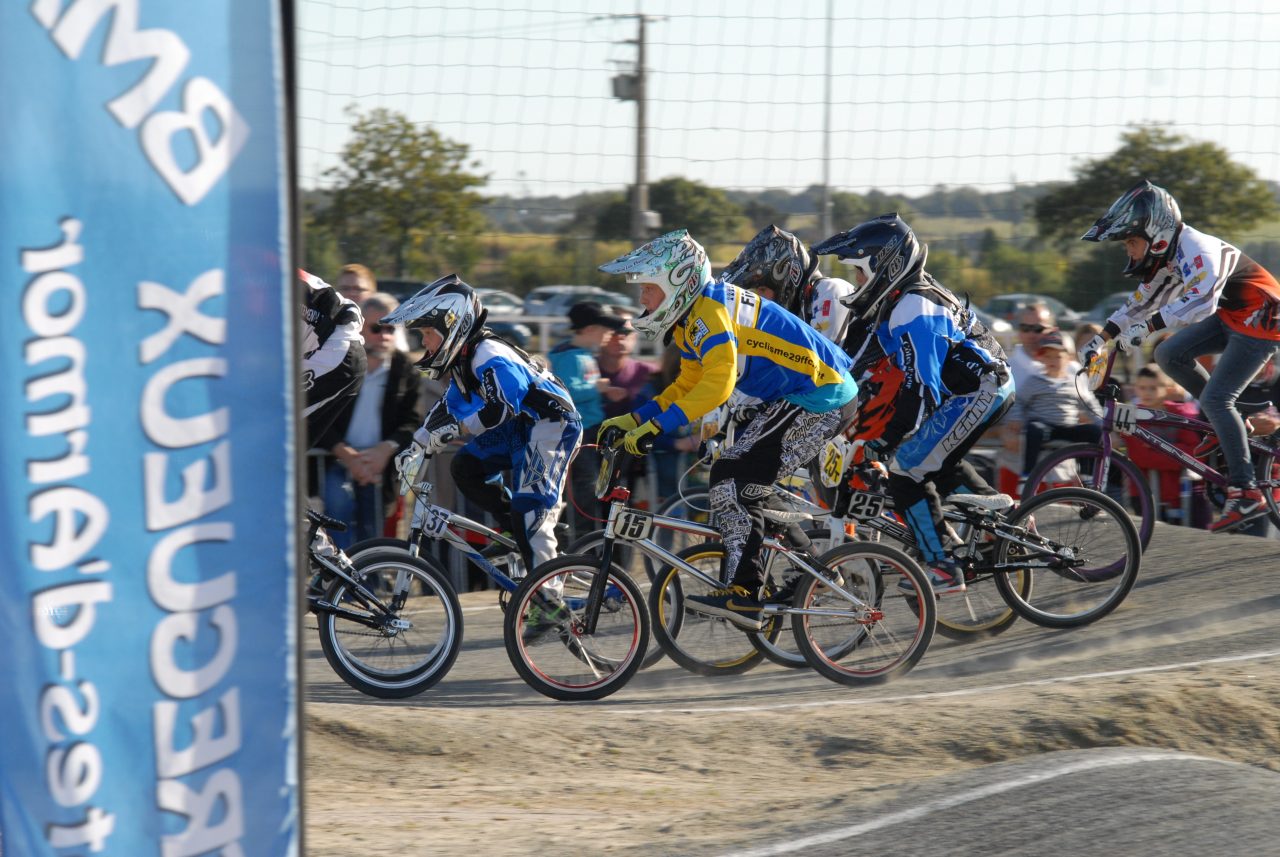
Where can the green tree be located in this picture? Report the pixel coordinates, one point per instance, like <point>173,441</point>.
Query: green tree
<point>1015,269</point>
<point>709,215</point>
<point>403,198</point>
<point>850,209</point>
<point>1214,193</point>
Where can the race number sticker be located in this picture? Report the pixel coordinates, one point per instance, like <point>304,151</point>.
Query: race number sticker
<point>437,521</point>
<point>1126,417</point>
<point>865,506</point>
<point>632,526</point>
<point>835,456</point>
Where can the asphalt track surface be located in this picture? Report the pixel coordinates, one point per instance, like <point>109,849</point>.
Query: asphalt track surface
<point>1200,600</point>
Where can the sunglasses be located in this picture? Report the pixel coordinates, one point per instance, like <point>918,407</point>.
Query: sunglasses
<point>382,328</point>
<point>1032,328</point>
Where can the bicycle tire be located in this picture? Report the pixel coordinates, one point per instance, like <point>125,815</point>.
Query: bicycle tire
<point>1267,466</point>
<point>781,648</point>
<point>400,661</point>
<point>975,614</point>
<point>877,640</point>
<point>625,556</point>
<point>1130,484</point>
<point>558,658</point>
<point>1093,530</point>
<point>702,644</point>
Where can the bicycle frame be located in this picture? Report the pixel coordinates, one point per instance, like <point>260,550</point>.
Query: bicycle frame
<point>437,523</point>
<point>634,526</point>
<point>1130,419</point>
<point>334,559</point>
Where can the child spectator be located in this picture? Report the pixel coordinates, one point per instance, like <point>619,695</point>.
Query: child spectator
<point>1048,405</point>
<point>1153,390</point>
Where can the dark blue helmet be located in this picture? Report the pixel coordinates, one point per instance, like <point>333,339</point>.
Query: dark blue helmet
<point>884,250</point>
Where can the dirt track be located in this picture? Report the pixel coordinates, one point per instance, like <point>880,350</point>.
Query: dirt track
<point>482,764</point>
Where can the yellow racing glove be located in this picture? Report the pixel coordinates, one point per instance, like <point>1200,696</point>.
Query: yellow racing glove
<point>624,423</point>
<point>639,440</point>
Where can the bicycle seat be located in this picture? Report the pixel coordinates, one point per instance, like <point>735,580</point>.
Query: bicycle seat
<point>786,516</point>
<point>325,521</point>
<point>986,502</point>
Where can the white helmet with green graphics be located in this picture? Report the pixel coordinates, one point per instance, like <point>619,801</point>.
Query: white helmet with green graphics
<point>677,265</point>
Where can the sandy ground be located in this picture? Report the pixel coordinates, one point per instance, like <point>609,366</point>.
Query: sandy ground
<point>386,780</point>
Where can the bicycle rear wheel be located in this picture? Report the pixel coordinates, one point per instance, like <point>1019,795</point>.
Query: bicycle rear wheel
<point>406,645</point>
<point>880,632</point>
<point>1078,465</point>
<point>702,644</point>
<point>545,630</point>
<point>1081,550</point>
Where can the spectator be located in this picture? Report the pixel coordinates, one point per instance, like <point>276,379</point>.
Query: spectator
<point>1034,320</point>
<point>627,376</point>
<point>1152,389</point>
<point>356,283</point>
<point>1048,405</point>
<point>360,485</point>
<point>574,363</point>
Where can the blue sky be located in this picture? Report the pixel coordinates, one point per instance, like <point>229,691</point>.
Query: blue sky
<point>923,93</point>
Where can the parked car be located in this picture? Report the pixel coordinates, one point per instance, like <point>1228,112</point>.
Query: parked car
<point>1102,310</point>
<point>1000,329</point>
<point>1007,306</point>
<point>556,300</point>
<point>499,302</point>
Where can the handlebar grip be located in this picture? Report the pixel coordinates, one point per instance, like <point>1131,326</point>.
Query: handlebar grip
<point>610,437</point>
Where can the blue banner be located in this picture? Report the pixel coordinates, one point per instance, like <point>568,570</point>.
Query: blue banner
<point>148,698</point>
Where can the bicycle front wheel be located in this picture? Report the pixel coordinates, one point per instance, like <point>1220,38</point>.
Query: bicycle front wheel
<point>1079,465</point>
<point>1081,550</point>
<point>630,559</point>
<point>547,637</point>
<point>401,643</point>
<point>873,621</point>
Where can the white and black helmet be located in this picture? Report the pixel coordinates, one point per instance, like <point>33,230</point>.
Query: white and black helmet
<point>450,307</point>
<point>1145,211</point>
<point>677,265</point>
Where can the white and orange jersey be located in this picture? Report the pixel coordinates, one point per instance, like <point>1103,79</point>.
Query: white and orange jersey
<point>1206,275</point>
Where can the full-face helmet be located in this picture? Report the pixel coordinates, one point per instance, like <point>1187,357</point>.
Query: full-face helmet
<point>451,308</point>
<point>677,265</point>
<point>1147,212</point>
<point>774,259</point>
<point>885,250</point>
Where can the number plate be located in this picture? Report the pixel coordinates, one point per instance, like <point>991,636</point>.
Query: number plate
<point>632,526</point>
<point>435,521</point>
<point>865,506</point>
<point>1126,417</point>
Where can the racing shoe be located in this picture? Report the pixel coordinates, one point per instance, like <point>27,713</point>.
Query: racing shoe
<point>543,619</point>
<point>1243,504</point>
<point>735,603</point>
<point>945,577</point>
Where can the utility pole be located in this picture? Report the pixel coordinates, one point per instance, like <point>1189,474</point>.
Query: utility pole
<point>632,87</point>
<point>824,216</point>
